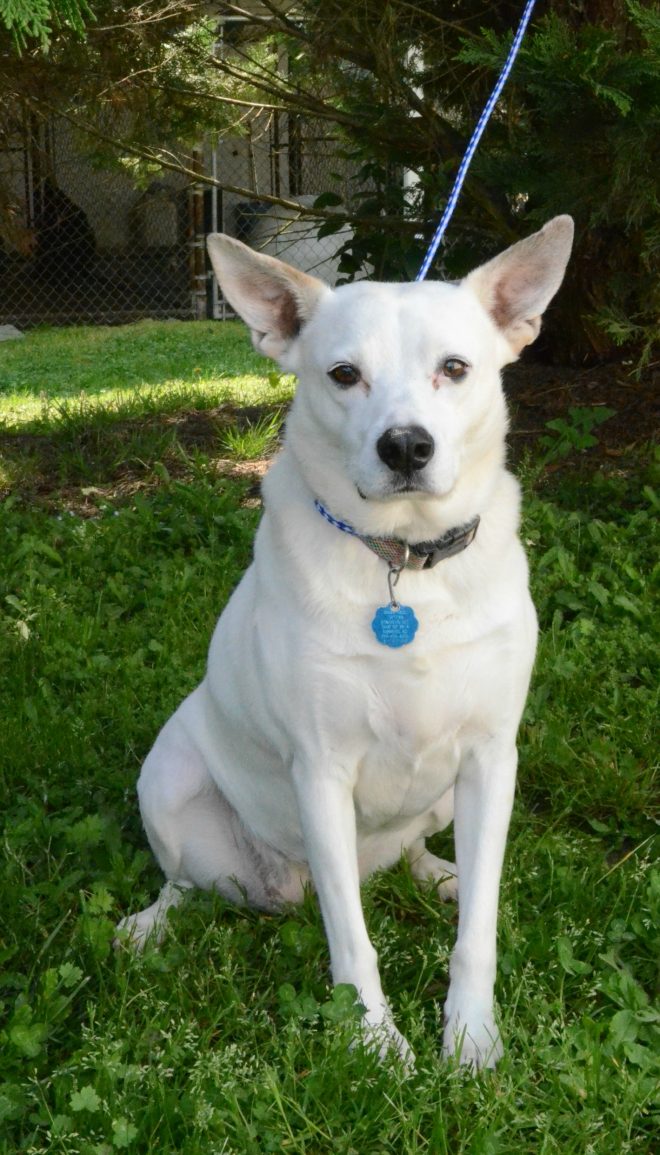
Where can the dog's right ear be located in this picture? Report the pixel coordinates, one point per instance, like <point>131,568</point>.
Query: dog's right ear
<point>274,299</point>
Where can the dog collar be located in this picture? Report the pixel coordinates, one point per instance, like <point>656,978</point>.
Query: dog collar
<point>399,554</point>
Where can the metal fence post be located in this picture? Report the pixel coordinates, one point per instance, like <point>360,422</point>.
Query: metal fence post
<point>197,240</point>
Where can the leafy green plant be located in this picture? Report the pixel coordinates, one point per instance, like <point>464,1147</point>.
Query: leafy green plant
<point>573,433</point>
<point>35,21</point>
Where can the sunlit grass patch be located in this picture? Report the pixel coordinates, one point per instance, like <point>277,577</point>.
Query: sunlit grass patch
<point>97,407</point>
<point>67,374</point>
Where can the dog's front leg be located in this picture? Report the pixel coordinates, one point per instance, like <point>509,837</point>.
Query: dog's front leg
<point>483,800</point>
<point>327,814</point>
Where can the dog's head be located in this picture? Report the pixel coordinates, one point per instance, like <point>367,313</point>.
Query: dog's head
<point>400,406</point>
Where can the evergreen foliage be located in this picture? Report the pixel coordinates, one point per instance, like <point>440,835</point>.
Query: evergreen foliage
<point>34,20</point>
<point>577,130</point>
<point>400,86</point>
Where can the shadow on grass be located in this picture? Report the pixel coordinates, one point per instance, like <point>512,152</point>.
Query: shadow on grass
<point>84,449</point>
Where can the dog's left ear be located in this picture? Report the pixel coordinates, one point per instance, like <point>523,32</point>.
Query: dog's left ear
<point>516,287</point>
<point>274,299</point>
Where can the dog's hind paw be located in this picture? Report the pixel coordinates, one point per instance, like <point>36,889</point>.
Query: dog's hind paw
<point>150,925</point>
<point>425,867</point>
<point>136,930</point>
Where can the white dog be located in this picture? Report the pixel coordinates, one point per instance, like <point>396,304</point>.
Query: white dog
<point>366,680</point>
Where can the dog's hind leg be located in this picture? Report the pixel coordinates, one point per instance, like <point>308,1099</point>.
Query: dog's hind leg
<point>200,841</point>
<point>426,867</point>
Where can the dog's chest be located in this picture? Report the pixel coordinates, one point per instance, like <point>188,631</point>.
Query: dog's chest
<point>417,721</point>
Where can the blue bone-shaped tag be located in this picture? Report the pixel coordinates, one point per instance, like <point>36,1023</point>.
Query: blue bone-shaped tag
<point>395,625</point>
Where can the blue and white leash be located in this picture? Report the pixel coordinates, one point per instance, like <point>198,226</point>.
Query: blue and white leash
<point>474,141</point>
<point>395,625</point>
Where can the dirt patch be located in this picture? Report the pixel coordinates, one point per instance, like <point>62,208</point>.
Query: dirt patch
<point>197,428</point>
<point>87,501</point>
<point>539,393</point>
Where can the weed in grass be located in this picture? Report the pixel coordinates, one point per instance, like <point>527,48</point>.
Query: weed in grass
<point>252,440</point>
<point>229,1039</point>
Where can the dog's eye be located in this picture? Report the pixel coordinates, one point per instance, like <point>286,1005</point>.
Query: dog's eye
<point>454,368</point>
<point>344,375</point>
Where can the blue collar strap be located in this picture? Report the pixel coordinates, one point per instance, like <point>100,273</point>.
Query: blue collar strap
<point>399,554</point>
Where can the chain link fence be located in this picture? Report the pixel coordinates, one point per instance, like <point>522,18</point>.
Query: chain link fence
<point>88,244</point>
<point>294,160</point>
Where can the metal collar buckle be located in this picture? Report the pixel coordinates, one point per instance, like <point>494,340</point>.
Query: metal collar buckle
<point>455,541</point>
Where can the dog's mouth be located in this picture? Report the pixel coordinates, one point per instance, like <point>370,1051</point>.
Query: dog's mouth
<point>398,488</point>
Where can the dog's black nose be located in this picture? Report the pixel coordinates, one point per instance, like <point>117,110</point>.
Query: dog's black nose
<point>405,448</point>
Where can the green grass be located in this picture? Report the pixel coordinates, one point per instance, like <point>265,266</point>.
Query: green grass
<point>155,366</point>
<point>121,542</point>
<point>88,406</point>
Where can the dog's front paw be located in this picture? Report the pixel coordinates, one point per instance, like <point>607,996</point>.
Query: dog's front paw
<point>386,1040</point>
<point>474,1040</point>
